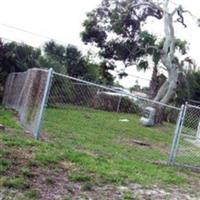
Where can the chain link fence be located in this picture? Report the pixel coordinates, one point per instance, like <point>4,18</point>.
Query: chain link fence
<point>30,92</point>
<point>70,91</point>
<point>187,150</point>
<point>25,93</point>
<point>72,95</point>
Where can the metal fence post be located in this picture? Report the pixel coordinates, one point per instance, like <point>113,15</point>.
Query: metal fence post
<point>44,103</point>
<point>177,134</point>
<point>119,102</point>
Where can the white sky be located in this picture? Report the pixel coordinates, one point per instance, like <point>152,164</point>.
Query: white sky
<point>62,20</point>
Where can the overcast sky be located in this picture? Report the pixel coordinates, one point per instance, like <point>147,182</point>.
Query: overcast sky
<point>62,20</point>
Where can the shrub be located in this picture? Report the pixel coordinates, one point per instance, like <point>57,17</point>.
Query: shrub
<point>114,103</point>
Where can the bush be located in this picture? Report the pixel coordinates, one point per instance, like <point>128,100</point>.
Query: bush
<point>114,103</point>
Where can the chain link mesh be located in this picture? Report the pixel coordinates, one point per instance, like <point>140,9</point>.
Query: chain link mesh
<point>188,152</point>
<point>75,95</point>
<point>66,91</point>
<point>24,93</point>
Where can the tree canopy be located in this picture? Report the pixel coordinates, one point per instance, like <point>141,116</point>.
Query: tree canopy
<point>18,57</point>
<point>115,28</point>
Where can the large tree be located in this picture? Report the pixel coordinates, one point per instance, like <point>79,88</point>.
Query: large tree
<point>116,28</point>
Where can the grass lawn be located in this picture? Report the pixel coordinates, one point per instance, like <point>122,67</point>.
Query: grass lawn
<point>86,147</point>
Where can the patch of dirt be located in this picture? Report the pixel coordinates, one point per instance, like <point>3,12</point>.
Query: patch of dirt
<point>141,143</point>
<point>49,190</point>
<point>19,159</point>
<point>132,142</point>
<point>53,183</point>
<point>62,187</point>
<point>44,137</point>
<point>163,148</point>
<point>93,154</point>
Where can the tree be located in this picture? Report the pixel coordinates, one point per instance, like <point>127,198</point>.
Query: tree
<point>16,57</point>
<point>75,62</point>
<point>136,87</point>
<point>55,51</point>
<point>48,62</point>
<point>98,72</point>
<point>116,28</point>
<point>193,84</point>
<point>68,57</point>
<point>70,60</point>
<point>21,57</point>
<point>190,81</point>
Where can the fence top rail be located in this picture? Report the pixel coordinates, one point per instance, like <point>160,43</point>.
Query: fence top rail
<point>193,106</point>
<point>117,91</point>
<point>33,69</point>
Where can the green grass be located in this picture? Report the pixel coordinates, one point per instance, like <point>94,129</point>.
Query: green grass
<point>93,147</point>
<point>32,194</point>
<point>6,118</point>
<point>100,144</point>
<point>15,183</point>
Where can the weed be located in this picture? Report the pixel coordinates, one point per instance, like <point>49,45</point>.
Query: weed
<point>4,165</point>
<point>87,186</point>
<point>128,195</point>
<point>79,177</point>
<point>27,172</point>
<point>49,180</point>
<point>15,183</point>
<point>33,194</point>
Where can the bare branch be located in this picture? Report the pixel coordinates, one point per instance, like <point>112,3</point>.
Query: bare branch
<point>180,12</point>
<point>150,4</point>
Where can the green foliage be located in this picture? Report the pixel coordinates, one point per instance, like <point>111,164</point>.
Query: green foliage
<point>26,172</point>
<point>143,64</point>
<point>182,46</point>
<point>80,177</point>
<point>136,87</point>
<point>93,72</point>
<point>119,19</point>
<point>15,183</point>
<point>69,60</point>
<point>21,56</point>
<point>88,186</point>
<point>190,81</point>
<point>33,194</point>
<point>6,118</point>
<point>18,57</point>
<point>193,80</point>
<point>105,76</point>
<point>128,195</point>
<point>55,51</point>
<point>4,165</point>
<point>49,62</point>
<point>75,62</point>
<point>111,103</point>
<point>49,180</point>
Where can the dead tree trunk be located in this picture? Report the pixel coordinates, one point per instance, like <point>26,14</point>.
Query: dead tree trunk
<point>168,89</point>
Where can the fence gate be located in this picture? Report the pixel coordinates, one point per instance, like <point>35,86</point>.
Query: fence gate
<point>185,150</point>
